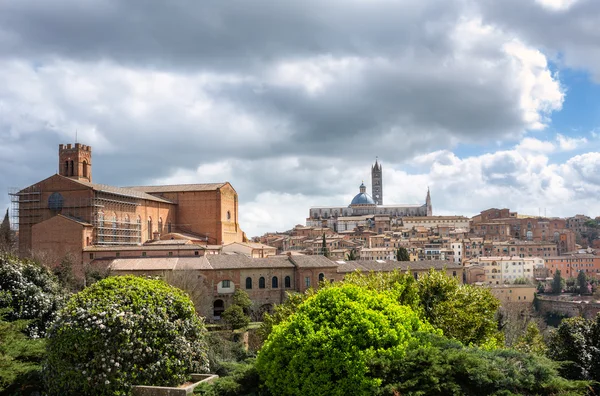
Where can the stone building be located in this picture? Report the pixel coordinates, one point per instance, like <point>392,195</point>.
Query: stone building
<point>67,213</point>
<point>364,208</point>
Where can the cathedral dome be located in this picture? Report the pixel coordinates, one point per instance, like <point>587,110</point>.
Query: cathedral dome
<point>362,199</point>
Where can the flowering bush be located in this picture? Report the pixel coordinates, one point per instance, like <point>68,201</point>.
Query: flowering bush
<point>124,331</point>
<point>29,291</point>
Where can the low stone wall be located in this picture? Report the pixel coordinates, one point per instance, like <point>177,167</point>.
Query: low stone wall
<point>586,309</point>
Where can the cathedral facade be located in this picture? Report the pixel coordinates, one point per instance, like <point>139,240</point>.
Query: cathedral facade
<point>364,207</point>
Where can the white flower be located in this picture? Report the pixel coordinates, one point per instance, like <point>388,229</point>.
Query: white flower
<point>106,382</point>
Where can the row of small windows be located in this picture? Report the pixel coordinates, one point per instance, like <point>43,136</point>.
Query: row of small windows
<point>274,282</point>
<point>287,281</point>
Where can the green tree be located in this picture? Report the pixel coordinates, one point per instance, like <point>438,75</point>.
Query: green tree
<point>242,300</point>
<point>352,255</point>
<point>281,312</point>
<point>582,282</point>
<point>64,274</point>
<point>326,346</point>
<point>463,312</point>
<point>440,367</point>
<point>120,331</point>
<point>7,236</point>
<point>402,254</point>
<point>576,343</point>
<point>558,283</point>
<point>532,341</point>
<point>235,317</point>
<point>324,247</point>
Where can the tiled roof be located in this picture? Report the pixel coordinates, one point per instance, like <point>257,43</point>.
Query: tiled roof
<point>179,187</point>
<point>235,261</point>
<point>121,191</point>
<point>312,261</point>
<point>390,265</point>
<point>159,264</point>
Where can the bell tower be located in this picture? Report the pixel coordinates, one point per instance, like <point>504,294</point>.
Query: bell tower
<point>75,161</point>
<point>377,183</point>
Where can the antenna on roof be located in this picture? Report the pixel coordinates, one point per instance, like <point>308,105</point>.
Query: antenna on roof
<point>75,135</point>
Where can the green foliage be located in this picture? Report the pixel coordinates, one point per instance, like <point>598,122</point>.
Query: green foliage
<point>558,283</point>
<point>352,255</point>
<point>64,274</point>
<point>326,346</point>
<point>235,317</point>
<point>324,247</point>
<point>402,254</point>
<point>237,379</point>
<point>29,292</point>
<point>582,282</point>
<point>532,341</point>
<point>7,236</point>
<point>241,299</point>
<point>20,359</point>
<point>124,331</point>
<point>402,284</point>
<point>576,343</point>
<point>281,312</point>
<point>521,281</point>
<point>463,312</point>
<point>443,367</point>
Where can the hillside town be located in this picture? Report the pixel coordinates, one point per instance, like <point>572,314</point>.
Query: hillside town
<point>162,230</point>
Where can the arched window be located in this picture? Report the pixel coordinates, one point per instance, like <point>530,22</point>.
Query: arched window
<point>321,277</point>
<point>218,308</point>
<point>169,227</point>
<point>72,168</point>
<point>160,225</point>
<point>228,215</point>
<point>149,228</point>
<point>126,221</point>
<point>248,283</point>
<point>66,168</point>
<point>287,282</point>
<point>85,168</point>
<point>274,282</point>
<point>261,282</point>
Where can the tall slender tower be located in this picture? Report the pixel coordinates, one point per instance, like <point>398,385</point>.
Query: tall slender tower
<point>428,203</point>
<point>377,183</point>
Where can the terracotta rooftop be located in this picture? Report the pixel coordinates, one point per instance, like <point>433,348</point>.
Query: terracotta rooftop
<point>179,187</point>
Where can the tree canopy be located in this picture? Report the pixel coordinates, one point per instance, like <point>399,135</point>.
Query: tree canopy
<point>325,347</point>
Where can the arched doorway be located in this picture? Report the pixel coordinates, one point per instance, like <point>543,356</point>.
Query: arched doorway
<point>218,308</point>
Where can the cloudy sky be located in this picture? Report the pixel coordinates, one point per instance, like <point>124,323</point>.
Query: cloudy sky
<point>489,103</point>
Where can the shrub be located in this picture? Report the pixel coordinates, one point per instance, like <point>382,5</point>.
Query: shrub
<point>443,367</point>
<point>20,359</point>
<point>240,379</point>
<point>326,346</point>
<point>235,317</point>
<point>124,331</point>
<point>29,292</point>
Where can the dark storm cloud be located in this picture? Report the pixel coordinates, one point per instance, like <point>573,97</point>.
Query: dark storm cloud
<point>213,33</point>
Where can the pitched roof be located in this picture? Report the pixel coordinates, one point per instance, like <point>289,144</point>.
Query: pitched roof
<point>159,264</point>
<point>234,261</point>
<point>312,261</point>
<point>122,191</point>
<point>179,187</point>
<point>390,265</point>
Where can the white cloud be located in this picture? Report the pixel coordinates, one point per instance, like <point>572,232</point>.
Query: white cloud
<point>566,143</point>
<point>556,5</point>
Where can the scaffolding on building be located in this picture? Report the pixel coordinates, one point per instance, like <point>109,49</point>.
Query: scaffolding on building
<point>113,218</point>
